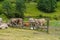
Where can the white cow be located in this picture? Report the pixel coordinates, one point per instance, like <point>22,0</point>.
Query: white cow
<point>32,23</point>
<point>3,26</point>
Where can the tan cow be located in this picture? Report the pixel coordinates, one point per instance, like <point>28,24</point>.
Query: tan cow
<point>41,21</point>
<point>37,22</point>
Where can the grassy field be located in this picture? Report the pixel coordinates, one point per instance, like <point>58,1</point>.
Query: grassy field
<point>23,34</point>
<point>27,34</point>
<point>31,10</point>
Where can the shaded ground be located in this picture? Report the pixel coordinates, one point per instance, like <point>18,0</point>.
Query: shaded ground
<point>24,34</point>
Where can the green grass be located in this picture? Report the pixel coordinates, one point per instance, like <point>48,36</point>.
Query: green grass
<point>31,10</point>
<point>55,23</point>
<point>5,19</point>
<point>23,34</point>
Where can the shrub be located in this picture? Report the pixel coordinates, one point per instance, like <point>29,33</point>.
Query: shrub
<point>47,5</point>
<point>7,8</point>
<point>20,8</point>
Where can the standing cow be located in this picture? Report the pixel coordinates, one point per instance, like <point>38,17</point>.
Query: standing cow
<point>37,22</point>
<point>16,22</point>
<point>40,22</point>
<point>32,23</point>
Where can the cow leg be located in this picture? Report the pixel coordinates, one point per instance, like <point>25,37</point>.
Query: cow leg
<point>31,25</point>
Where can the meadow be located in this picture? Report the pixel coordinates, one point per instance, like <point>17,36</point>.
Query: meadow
<point>27,34</point>
<point>31,10</point>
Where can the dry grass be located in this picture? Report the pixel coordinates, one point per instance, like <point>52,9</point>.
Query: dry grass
<point>24,34</point>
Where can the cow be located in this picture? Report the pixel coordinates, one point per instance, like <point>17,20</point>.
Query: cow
<point>27,24</point>
<point>40,22</point>
<point>32,23</point>
<point>16,21</point>
<point>37,22</point>
<point>3,26</point>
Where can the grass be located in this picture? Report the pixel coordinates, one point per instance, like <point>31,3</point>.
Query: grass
<point>31,10</point>
<point>55,23</point>
<point>23,34</point>
<point>5,19</point>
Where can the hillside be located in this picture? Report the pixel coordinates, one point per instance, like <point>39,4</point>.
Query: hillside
<point>31,10</point>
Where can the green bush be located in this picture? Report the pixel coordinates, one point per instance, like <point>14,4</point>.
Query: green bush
<point>47,5</point>
<point>20,8</point>
<point>58,0</point>
<point>14,10</point>
<point>1,0</point>
<point>7,8</point>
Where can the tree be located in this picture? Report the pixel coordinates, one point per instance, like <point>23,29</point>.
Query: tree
<point>7,8</point>
<point>20,8</point>
<point>28,1</point>
<point>1,0</point>
<point>1,9</point>
<point>58,0</point>
<point>47,5</point>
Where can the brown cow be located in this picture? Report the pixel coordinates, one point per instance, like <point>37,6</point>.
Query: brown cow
<point>27,24</point>
<point>16,21</point>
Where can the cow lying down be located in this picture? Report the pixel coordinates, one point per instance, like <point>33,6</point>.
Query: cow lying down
<point>3,26</point>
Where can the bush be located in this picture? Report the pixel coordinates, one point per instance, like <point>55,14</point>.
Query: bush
<point>20,8</point>
<point>58,0</point>
<point>1,0</point>
<point>7,8</point>
<point>15,10</point>
<point>47,5</point>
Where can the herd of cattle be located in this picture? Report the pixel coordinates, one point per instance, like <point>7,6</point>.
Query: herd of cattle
<point>18,22</point>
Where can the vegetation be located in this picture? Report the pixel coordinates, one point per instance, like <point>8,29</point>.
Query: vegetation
<point>1,0</point>
<point>58,0</point>
<point>47,5</point>
<point>20,8</point>
<point>31,9</point>
<point>16,8</point>
<point>7,8</point>
<point>12,10</point>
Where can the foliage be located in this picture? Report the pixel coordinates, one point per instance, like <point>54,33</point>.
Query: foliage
<point>31,10</point>
<point>1,0</point>
<point>1,9</point>
<point>58,0</point>
<point>7,8</point>
<point>13,10</point>
<point>20,8</point>
<point>47,5</point>
<point>28,1</point>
